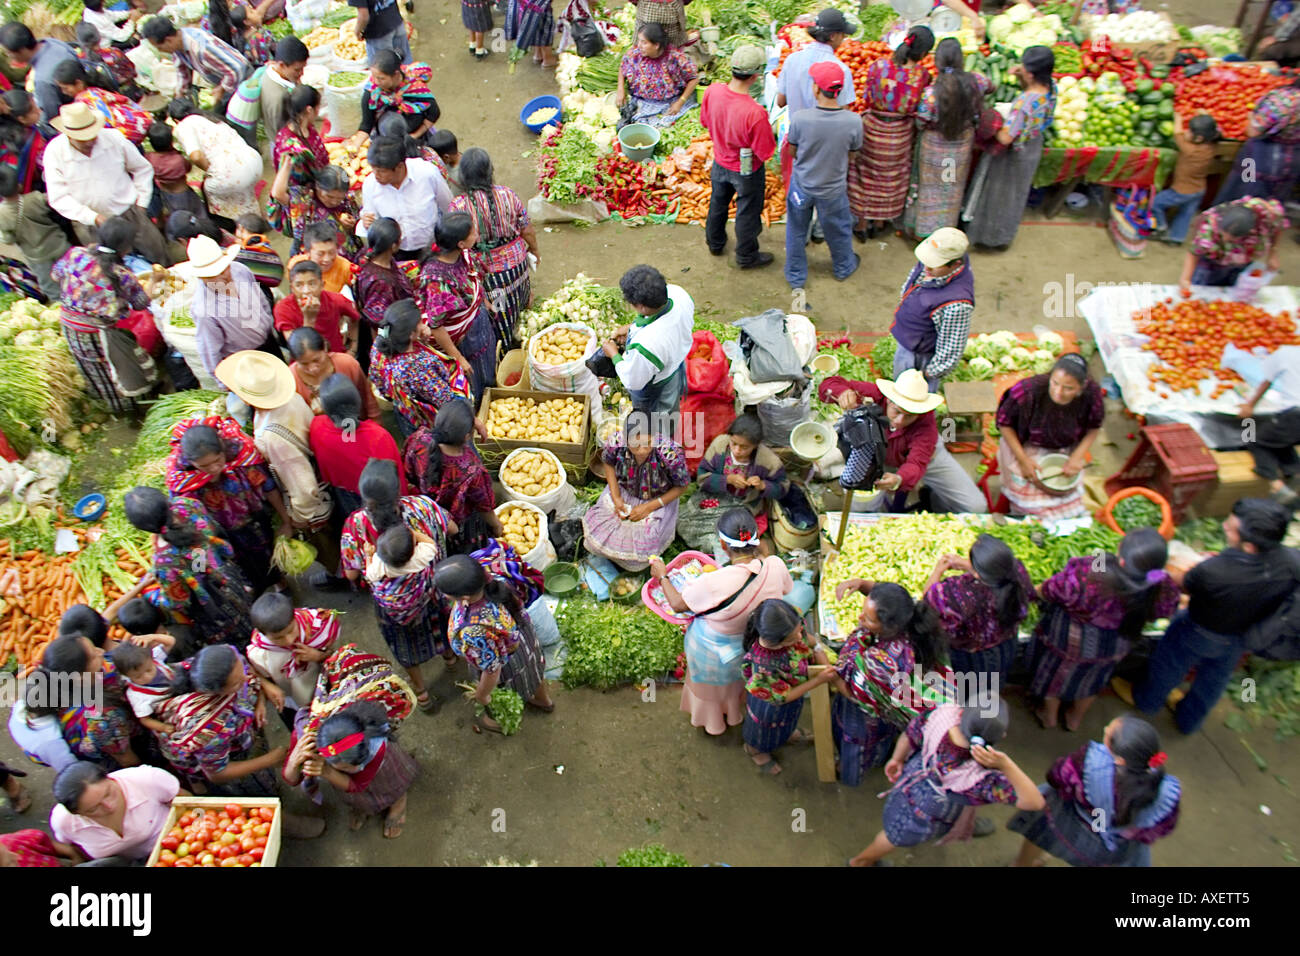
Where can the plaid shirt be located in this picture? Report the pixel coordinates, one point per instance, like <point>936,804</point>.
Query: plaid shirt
<point>217,62</point>
<point>952,324</point>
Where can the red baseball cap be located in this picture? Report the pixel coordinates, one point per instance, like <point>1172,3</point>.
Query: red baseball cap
<point>828,76</point>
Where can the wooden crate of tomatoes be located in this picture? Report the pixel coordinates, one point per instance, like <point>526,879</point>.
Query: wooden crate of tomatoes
<point>219,832</point>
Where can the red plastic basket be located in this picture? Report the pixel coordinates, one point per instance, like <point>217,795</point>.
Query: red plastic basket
<point>1172,460</point>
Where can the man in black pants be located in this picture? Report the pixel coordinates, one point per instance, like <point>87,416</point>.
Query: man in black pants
<point>1238,587</point>
<point>742,139</point>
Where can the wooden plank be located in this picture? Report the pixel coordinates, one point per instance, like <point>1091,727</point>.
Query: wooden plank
<point>970,398</point>
<point>823,742</point>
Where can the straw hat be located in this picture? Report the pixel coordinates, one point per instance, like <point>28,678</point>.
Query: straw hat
<point>207,259</point>
<point>78,121</point>
<point>260,379</point>
<point>910,392</point>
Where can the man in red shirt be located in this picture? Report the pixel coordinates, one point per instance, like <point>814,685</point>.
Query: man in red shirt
<point>735,122</point>
<point>315,307</point>
<point>913,449</point>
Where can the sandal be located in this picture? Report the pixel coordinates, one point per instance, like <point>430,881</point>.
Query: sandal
<point>548,709</point>
<point>768,767</point>
<point>356,820</point>
<point>393,828</point>
<point>1038,716</point>
<point>22,802</point>
<point>429,704</point>
<point>799,737</point>
<point>484,723</point>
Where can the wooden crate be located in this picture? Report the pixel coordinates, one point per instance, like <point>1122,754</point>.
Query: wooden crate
<point>181,805</point>
<point>568,452</point>
<point>1237,479</point>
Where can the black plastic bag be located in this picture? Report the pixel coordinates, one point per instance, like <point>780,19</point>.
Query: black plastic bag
<point>601,366</point>
<point>862,442</point>
<point>587,38</point>
<point>565,537</point>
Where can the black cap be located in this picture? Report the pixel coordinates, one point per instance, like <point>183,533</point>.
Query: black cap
<point>833,21</point>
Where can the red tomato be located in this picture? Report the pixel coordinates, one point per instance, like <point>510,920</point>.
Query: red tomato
<point>245,859</point>
<point>259,841</point>
<point>239,821</point>
<point>185,820</point>
<point>185,861</point>
<point>246,843</point>
<point>227,852</point>
<point>256,853</point>
<point>232,810</point>
<point>261,830</point>
<point>166,858</point>
<point>229,862</point>
<point>170,843</point>
<point>267,813</point>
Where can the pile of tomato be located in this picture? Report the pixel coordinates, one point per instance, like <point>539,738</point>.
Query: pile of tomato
<point>1188,337</point>
<point>230,837</point>
<point>1229,95</point>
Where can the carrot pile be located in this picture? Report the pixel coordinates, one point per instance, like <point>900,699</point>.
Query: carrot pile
<point>37,588</point>
<point>694,189</point>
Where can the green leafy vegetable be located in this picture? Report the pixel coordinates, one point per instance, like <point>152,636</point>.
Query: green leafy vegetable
<point>612,644</point>
<point>507,708</point>
<point>652,854</point>
<point>1136,511</point>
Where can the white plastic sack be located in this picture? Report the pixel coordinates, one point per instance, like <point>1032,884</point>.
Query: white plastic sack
<point>322,55</point>
<point>558,500</point>
<point>585,210</point>
<point>338,64</point>
<point>185,341</point>
<point>543,555</point>
<point>802,334</point>
<point>571,377</point>
<point>344,106</point>
<point>306,15</point>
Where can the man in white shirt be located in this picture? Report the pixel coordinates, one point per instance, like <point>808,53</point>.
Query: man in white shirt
<point>652,364</point>
<point>411,191</point>
<point>93,173</point>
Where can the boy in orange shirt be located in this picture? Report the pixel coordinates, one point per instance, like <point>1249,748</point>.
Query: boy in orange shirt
<point>321,242</point>
<point>1175,207</point>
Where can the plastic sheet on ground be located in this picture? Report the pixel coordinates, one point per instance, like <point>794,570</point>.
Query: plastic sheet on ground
<point>1109,313</point>
<point>587,210</point>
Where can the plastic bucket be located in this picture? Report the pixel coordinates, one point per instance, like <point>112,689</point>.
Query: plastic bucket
<point>562,578</point>
<point>540,103</point>
<point>512,362</point>
<point>638,133</point>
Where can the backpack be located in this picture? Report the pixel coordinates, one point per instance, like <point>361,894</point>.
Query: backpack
<point>863,444</point>
<point>587,38</point>
<point>1277,637</point>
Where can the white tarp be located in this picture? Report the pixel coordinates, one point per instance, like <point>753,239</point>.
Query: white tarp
<point>1109,312</point>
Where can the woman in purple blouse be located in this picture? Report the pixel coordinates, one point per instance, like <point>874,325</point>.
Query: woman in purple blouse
<point>1092,618</point>
<point>1060,412</point>
<point>981,609</point>
<point>943,767</point>
<point>1120,784</point>
<point>635,517</point>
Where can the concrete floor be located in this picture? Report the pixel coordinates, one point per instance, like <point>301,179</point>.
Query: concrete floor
<point>634,771</point>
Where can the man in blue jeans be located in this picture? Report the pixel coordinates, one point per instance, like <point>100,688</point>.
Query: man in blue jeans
<point>821,140</point>
<point>1239,587</point>
<point>380,24</point>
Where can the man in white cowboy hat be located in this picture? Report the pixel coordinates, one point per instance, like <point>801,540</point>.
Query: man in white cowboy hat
<point>93,173</point>
<point>281,423</point>
<point>229,307</point>
<point>914,451</point>
<point>932,320</point>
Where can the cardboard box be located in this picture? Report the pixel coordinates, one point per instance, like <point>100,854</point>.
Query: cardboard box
<point>568,452</point>
<point>182,805</point>
<point>1237,479</point>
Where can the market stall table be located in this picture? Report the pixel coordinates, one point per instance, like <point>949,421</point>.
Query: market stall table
<point>1111,312</point>
<point>1118,166</point>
